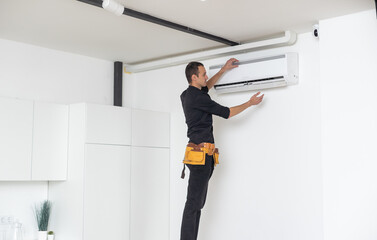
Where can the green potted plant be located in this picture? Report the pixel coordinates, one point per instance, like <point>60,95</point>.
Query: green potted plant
<point>50,235</point>
<point>42,215</point>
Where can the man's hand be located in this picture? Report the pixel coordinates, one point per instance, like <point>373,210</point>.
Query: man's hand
<point>230,64</point>
<point>255,99</point>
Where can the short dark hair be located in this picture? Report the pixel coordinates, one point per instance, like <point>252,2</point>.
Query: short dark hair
<point>191,69</point>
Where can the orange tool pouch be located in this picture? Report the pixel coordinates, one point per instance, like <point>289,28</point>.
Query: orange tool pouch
<point>196,154</point>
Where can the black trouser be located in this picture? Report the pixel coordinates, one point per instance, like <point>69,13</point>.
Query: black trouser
<point>196,197</point>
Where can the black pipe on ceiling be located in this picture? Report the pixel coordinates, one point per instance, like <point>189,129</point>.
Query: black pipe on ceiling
<point>162,22</point>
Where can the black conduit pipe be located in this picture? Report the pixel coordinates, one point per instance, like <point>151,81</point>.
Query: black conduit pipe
<point>118,83</point>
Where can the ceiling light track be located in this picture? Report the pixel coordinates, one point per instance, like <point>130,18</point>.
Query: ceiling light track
<point>162,22</point>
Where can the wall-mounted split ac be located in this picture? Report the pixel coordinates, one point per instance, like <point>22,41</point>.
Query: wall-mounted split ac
<point>267,72</point>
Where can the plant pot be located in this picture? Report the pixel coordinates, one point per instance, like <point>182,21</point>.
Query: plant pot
<point>42,235</point>
<point>50,237</point>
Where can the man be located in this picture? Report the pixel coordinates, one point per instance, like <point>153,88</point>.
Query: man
<point>199,108</point>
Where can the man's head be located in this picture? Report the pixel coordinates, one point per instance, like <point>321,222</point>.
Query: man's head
<point>196,74</point>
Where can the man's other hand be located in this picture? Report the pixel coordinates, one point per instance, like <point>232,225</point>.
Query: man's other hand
<point>255,99</point>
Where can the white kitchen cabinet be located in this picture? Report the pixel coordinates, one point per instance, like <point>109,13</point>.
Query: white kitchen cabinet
<point>150,193</point>
<point>114,190</point>
<point>150,129</point>
<point>16,129</point>
<point>33,140</point>
<point>50,142</point>
<point>93,204</point>
<point>108,124</point>
<point>106,192</point>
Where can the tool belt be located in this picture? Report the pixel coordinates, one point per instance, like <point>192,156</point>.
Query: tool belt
<point>196,154</point>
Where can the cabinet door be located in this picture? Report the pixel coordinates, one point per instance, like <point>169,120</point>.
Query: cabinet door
<point>50,142</point>
<point>150,129</point>
<point>150,193</point>
<point>106,192</point>
<point>108,125</point>
<point>16,129</point>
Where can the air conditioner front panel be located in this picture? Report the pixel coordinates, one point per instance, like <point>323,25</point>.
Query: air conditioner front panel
<point>254,69</point>
<point>268,72</point>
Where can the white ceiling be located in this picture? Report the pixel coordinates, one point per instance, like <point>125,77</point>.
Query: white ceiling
<point>76,27</point>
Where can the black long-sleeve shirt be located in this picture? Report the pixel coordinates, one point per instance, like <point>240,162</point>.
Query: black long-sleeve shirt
<point>198,108</point>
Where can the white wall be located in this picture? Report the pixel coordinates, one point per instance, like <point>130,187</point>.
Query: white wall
<point>35,73</point>
<point>348,56</point>
<point>269,182</point>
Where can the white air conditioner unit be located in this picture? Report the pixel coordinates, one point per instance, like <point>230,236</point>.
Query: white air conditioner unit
<point>267,72</point>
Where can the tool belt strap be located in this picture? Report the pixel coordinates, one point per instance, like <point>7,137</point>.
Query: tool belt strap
<point>208,148</point>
